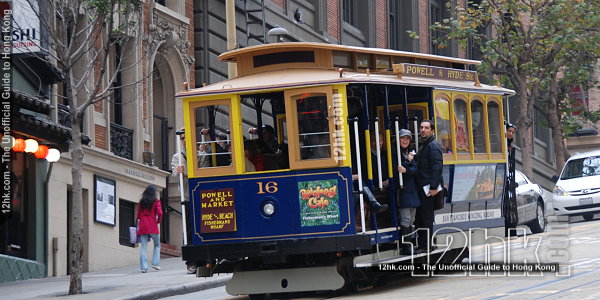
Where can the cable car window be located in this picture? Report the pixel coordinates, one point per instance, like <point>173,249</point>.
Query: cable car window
<point>284,57</point>
<point>478,126</point>
<point>210,150</point>
<point>265,147</point>
<point>313,126</point>
<point>363,60</point>
<point>442,119</point>
<point>494,127</point>
<point>342,59</point>
<point>212,136</point>
<point>382,62</point>
<point>461,126</point>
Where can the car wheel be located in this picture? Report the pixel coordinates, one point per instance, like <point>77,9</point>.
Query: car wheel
<point>588,217</point>
<point>538,225</point>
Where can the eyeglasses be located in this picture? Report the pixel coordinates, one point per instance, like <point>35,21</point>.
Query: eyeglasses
<point>182,137</point>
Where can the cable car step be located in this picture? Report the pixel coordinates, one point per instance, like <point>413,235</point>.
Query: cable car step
<point>387,257</point>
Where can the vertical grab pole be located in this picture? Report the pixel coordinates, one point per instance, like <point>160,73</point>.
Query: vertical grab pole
<point>378,149</point>
<point>360,183</point>
<point>183,220</point>
<point>398,153</point>
<point>416,124</point>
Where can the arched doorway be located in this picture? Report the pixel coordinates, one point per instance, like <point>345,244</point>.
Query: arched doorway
<point>163,114</point>
<point>168,74</point>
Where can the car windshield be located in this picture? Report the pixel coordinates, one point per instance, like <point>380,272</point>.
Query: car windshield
<point>583,167</point>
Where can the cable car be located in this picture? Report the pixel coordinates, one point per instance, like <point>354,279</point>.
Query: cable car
<point>282,170</point>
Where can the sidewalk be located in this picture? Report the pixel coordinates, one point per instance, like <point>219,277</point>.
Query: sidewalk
<point>119,283</point>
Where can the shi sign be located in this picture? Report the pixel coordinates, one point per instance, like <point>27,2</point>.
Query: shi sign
<point>26,27</point>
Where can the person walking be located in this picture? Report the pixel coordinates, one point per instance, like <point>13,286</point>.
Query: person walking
<point>429,169</point>
<point>407,194</point>
<point>149,215</point>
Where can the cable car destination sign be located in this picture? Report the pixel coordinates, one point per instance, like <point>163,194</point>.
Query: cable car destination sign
<point>217,210</point>
<point>423,71</point>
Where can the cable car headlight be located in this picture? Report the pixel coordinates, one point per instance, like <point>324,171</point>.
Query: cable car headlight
<point>268,208</point>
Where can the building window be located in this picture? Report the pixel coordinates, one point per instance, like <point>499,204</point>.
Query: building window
<point>542,134</point>
<point>117,103</point>
<point>541,126</point>
<point>403,16</point>
<point>350,12</point>
<point>438,11</point>
<point>126,220</point>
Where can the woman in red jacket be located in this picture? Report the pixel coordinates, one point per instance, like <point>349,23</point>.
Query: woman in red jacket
<point>149,216</point>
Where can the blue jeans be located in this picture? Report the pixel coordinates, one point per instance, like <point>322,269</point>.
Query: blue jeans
<point>155,255</point>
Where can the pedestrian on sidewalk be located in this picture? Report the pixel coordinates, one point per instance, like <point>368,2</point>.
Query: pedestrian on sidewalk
<point>149,215</point>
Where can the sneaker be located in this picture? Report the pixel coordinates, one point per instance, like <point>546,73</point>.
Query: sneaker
<point>156,267</point>
<point>191,269</point>
<point>144,271</point>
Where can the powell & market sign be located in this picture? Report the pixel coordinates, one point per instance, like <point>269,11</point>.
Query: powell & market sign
<point>218,211</point>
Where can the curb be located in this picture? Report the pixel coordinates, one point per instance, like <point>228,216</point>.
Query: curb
<point>178,290</point>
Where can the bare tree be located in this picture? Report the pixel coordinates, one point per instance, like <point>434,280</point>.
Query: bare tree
<point>79,36</point>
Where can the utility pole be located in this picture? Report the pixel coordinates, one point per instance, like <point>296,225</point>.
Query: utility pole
<point>231,38</point>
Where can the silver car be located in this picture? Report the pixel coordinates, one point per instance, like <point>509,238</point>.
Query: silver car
<point>530,203</point>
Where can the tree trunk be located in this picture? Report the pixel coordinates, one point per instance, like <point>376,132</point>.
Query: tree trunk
<point>556,126</point>
<point>76,253</point>
<point>524,125</point>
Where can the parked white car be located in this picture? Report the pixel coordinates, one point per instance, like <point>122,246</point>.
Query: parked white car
<point>530,203</point>
<point>577,191</point>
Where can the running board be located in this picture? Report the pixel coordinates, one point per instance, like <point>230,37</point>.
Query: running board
<point>388,257</point>
<point>285,281</point>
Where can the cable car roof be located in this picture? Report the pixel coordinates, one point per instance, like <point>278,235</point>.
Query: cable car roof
<point>301,77</point>
<point>234,55</point>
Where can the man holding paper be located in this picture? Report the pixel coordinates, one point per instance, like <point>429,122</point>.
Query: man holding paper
<point>429,179</point>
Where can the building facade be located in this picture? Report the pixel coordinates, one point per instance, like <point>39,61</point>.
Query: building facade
<point>130,139</point>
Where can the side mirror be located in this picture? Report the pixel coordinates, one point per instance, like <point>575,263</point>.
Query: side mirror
<point>555,178</point>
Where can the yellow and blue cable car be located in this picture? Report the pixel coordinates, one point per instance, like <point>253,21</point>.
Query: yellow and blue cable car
<point>280,157</point>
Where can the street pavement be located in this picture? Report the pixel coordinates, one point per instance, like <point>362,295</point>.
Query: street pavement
<point>126,282</point>
<point>119,283</point>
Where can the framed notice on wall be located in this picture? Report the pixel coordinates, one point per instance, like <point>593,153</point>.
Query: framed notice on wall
<point>105,208</point>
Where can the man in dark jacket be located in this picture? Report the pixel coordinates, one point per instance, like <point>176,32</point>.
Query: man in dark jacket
<point>429,175</point>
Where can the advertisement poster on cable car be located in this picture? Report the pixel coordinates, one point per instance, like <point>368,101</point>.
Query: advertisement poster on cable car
<point>474,182</point>
<point>319,202</point>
